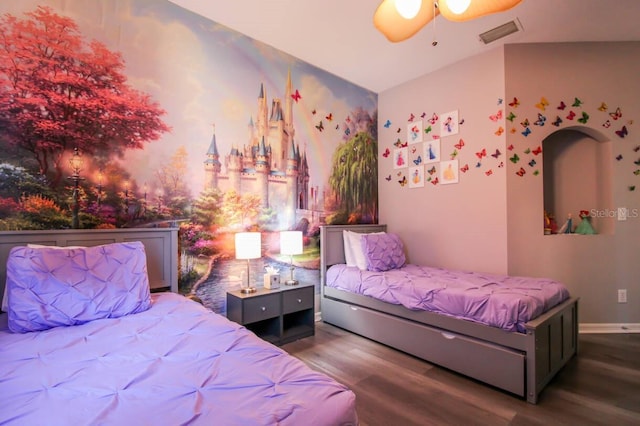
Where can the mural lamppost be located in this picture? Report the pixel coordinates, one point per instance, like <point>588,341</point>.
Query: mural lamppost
<point>100,177</point>
<point>76,165</point>
<point>126,199</point>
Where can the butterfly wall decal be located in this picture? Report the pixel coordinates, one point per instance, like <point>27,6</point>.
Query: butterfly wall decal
<point>433,118</point>
<point>521,172</point>
<point>541,120</point>
<point>459,145</point>
<point>496,154</point>
<point>329,116</point>
<point>616,114</point>
<point>413,149</point>
<point>399,130</point>
<point>562,106</point>
<point>515,103</point>
<point>500,101</point>
<point>423,115</point>
<point>464,168</point>
<point>576,103</point>
<point>514,159</point>
<point>557,122</point>
<point>386,153</point>
<point>403,181</point>
<point>387,124</point>
<point>510,147</point>
<point>497,116</point>
<point>501,165</point>
<point>428,129</point>
<point>584,118</point>
<point>636,148</point>
<point>603,107</point>
<point>482,153</point>
<point>461,122</point>
<point>537,151</point>
<point>532,163</point>
<point>526,132</point>
<point>432,170</point>
<point>543,104</point>
<point>411,117</point>
<point>622,132</point>
<point>313,112</point>
<point>435,181</point>
<point>619,157</point>
<point>606,124</point>
<point>478,165</point>
<point>454,154</point>
<point>418,160</point>
<point>525,123</point>
<point>347,131</point>
<point>527,151</point>
<point>632,187</point>
<point>571,115</point>
<point>511,116</point>
<point>398,143</point>
<point>296,96</point>
<point>488,172</point>
<point>500,131</point>
<point>536,172</point>
<point>388,178</point>
<point>320,126</point>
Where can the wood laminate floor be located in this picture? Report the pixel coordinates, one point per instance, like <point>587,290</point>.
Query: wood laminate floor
<point>601,386</point>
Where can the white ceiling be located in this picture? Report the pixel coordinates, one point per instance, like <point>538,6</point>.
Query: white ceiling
<point>338,35</point>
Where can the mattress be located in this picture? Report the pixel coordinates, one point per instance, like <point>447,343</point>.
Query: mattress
<point>176,363</point>
<point>499,301</point>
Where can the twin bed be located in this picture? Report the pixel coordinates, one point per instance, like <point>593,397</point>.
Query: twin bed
<point>85,341</point>
<point>514,333</point>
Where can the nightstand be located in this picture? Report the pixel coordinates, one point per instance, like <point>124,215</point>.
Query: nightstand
<point>278,316</point>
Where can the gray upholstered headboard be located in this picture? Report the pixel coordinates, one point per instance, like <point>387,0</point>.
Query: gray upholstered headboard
<point>161,247</point>
<point>332,245</point>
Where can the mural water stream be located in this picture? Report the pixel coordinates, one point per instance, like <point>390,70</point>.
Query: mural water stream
<point>227,274</point>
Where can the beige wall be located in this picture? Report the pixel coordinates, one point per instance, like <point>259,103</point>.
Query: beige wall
<point>494,223</point>
<point>459,225</point>
<point>592,266</point>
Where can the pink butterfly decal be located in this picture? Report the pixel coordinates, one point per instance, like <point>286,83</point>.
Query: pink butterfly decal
<point>617,114</point>
<point>435,181</point>
<point>497,116</point>
<point>459,145</point>
<point>464,168</point>
<point>296,96</point>
<point>411,117</point>
<point>386,153</point>
<point>482,153</point>
<point>510,147</point>
<point>488,172</point>
<point>433,118</point>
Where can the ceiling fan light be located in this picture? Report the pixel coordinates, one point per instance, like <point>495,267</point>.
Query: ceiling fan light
<point>408,9</point>
<point>458,6</point>
<point>396,28</point>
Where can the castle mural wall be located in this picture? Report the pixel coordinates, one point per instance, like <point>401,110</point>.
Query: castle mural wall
<point>138,113</point>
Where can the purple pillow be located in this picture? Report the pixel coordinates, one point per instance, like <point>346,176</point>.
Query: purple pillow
<point>383,252</point>
<point>52,287</point>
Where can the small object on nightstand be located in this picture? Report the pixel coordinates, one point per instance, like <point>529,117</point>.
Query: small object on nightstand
<point>271,278</point>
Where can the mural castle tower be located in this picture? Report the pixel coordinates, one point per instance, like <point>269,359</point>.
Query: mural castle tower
<point>269,165</point>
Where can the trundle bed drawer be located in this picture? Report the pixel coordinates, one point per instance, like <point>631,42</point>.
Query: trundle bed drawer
<point>487,362</point>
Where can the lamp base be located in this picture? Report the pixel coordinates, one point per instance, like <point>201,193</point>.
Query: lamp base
<point>248,290</point>
<point>291,282</point>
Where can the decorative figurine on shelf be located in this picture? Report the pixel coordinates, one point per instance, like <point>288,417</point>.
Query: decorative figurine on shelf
<point>585,227</point>
<point>550,224</point>
<point>567,228</point>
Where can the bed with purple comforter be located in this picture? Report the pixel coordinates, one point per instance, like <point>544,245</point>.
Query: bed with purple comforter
<point>495,300</point>
<point>514,333</point>
<point>84,342</point>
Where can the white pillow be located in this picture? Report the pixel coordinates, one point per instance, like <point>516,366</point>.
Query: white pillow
<point>353,252</point>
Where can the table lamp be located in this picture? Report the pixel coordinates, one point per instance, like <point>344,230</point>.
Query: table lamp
<point>290,244</point>
<point>248,246</point>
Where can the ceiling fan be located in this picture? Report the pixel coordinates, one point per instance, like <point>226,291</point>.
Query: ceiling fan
<point>400,19</point>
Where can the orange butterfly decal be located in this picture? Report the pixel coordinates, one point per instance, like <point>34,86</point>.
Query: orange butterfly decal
<point>330,116</point>
<point>543,104</point>
<point>603,107</point>
<point>296,96</point>
<point>500,131</point>
<point>515,103</point>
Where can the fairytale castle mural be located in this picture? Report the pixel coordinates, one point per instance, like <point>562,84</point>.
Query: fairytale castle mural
<point>269,164</point>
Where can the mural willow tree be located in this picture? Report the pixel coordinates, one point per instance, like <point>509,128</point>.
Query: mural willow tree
<point>58,93</point>
<point>354,173</point>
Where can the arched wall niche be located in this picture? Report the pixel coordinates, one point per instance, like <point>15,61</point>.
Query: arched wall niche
<point>577,174</point>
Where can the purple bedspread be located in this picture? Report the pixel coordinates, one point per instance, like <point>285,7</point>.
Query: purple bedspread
<point>496,300</point>
<point>175,364</point>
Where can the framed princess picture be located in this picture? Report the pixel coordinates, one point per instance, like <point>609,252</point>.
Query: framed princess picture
<point>416,176</point>
<point>449,124</point>
<point>449,172</point>
<point>400,158</point>
<point>431,151</point>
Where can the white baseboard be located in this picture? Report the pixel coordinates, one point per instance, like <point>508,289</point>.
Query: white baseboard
<point>318,316</point>
<point>601,328</point>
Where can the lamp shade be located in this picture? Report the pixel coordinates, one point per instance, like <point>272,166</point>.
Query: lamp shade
<point>291,242</point>
<point>248,245</point>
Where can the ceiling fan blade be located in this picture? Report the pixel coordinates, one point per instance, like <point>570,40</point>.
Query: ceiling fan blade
<point>396,28</point>
<point>476,9</point>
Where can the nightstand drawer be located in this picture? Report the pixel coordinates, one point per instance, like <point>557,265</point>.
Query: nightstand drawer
<point>261,308</point>
<point>297,300</point>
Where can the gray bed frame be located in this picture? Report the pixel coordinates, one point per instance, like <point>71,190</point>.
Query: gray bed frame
<point>519,363</point>
<point>161,248</point>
